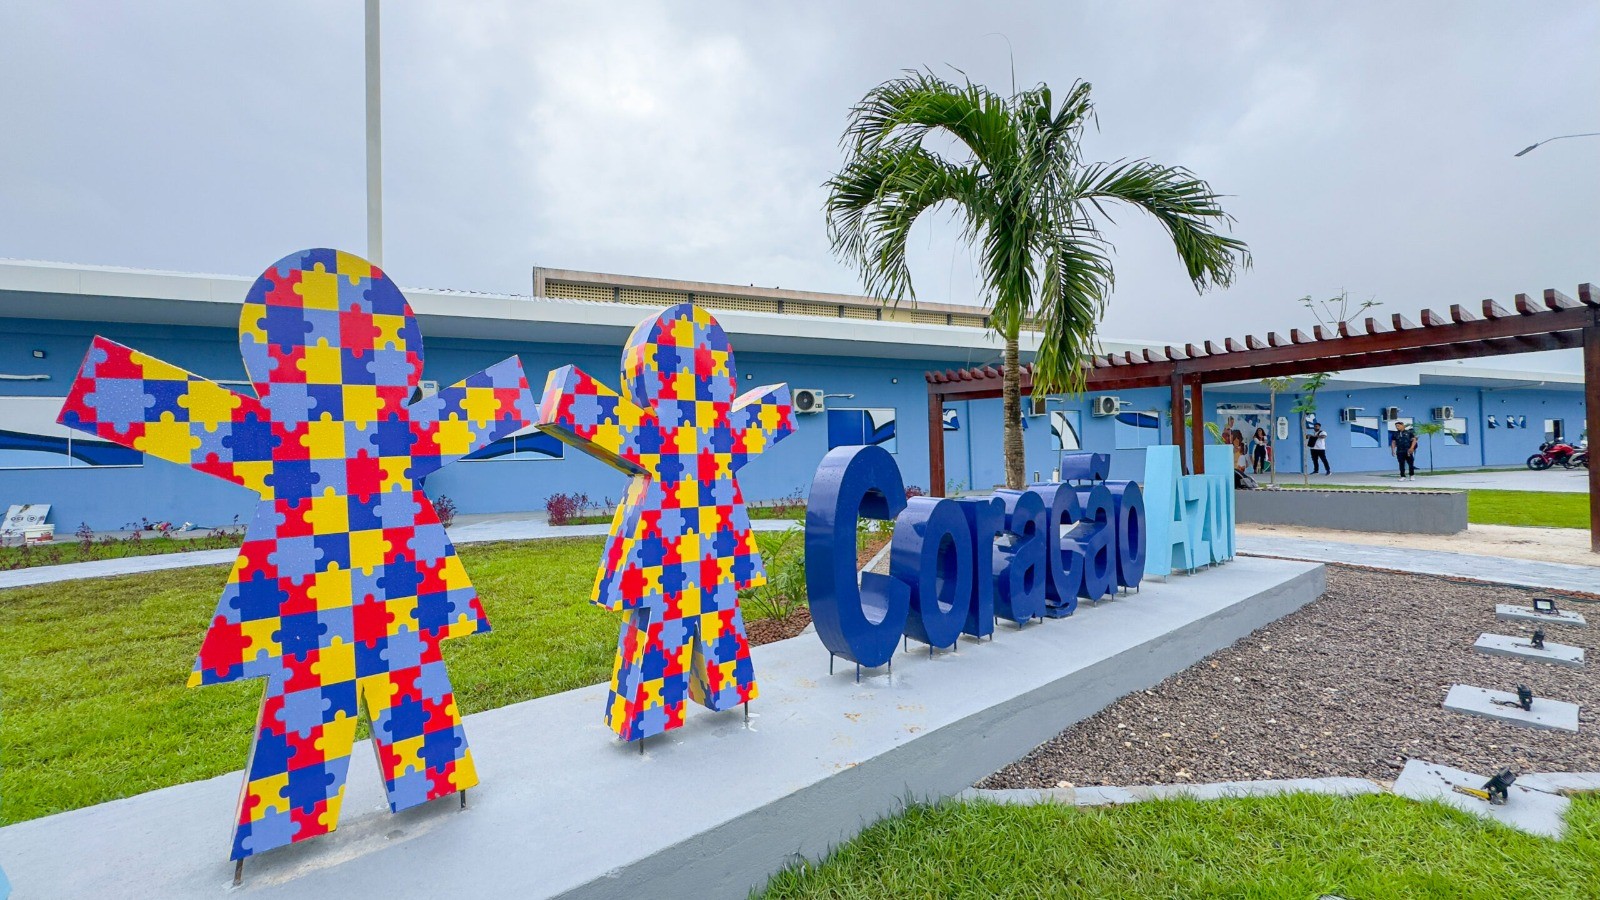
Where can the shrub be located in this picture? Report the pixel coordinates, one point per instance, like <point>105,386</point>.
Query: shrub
<point>785,590</point>
<point>85,536</point>
<point>445,509</point>
<point>563,508</point>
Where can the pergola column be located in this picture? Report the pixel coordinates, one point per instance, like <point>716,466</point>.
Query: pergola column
<point>1178,424</point>
<point>1197,428</point>
<point>935,444</point>
<point>1591,408</point>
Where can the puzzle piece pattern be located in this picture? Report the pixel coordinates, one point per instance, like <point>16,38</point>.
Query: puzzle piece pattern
<point>346,583</point>
<point>681,547</point>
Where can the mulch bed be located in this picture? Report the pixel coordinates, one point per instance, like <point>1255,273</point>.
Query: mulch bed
<point>1352,684</point>
<point>766,631</point>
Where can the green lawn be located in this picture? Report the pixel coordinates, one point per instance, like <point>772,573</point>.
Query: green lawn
<point>1296,847</point>
<point>93,685</point>
<point>1547,509</point>
<point>1540,509</point>
<point>94,691</point>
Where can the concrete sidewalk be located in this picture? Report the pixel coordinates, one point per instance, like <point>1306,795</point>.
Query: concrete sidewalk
<point>1496,569</point>
<point>486,529</point>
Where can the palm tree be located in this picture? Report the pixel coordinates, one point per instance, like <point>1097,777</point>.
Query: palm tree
<point>1027,201</point>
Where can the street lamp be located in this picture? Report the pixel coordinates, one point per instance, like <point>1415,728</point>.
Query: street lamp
<point>1529,149</point>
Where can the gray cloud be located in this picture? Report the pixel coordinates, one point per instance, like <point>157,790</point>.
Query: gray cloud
<point>1364,146</point>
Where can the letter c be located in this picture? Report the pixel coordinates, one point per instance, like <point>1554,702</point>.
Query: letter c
<point>860,623</point>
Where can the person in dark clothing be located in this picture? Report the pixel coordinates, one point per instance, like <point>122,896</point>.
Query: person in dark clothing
<point>1318,442</point>
<point>1258,451</point>
<point>1404,448</point>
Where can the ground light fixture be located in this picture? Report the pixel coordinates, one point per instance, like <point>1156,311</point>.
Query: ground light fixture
<point>1523,702</point>
<point>1495,790</point>
<point>1544,606</point>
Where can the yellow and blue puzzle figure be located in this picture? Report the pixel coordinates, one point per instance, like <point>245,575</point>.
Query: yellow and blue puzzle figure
<point>346,583</point>
<point>681,547</point>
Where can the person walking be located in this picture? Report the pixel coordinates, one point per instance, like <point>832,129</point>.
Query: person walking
<point>1258,451</point>
<point>1404,449</point>
<point>1318,442</point>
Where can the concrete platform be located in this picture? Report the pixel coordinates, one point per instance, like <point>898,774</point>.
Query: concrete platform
<point>1526,809</point>
<point>1221,790</point>
<point>1519,648</point>
<point>710,810</point>
<point>1557,715</point>
<point>1513,613</point>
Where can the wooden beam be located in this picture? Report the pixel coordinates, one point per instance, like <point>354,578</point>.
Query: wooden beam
<point>936,444</point>
<point>1493,310</point>
<point>1253,342</point>
<point>1401,323</point>
<point>1231,345</point>
<point>1587,295</point>
<point>1321,334</point>
<point>1525,305</point>
<point>1374,325</point>
<point>1557,300</point>
<point>1431,319</point>
<point>1273,340</point>
<point>1298,336</point>
<point>1459,313</point>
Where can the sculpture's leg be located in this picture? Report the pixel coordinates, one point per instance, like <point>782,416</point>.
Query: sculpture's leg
<point>624,703</point>
<point>724,674</point>
<point>296,775</point>
<point>417,731</point>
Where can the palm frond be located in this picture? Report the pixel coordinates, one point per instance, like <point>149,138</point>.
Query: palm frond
<point>1184,205</point>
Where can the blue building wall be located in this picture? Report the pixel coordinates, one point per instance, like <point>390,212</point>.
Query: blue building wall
<point>109,498</point>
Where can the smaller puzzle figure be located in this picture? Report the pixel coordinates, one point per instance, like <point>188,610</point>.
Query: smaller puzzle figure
<point>346,583</point>
<point>681,547</point>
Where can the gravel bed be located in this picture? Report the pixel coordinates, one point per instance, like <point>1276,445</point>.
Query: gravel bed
<point>1352,684</point>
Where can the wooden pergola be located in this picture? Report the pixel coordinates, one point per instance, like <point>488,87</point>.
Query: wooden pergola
<point>1558,322</point>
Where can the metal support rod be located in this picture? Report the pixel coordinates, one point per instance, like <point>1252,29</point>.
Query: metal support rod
<point>238,872</point>
<point>374,140</point>
<point>463,798</point>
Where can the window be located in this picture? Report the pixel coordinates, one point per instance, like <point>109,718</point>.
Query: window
<point>858,427</point>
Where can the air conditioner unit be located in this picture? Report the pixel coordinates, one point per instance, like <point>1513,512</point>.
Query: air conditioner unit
<point>1036,405</point>
<point>808,401</point>
<point>1349,414</point>
<point>1390,413</point>
<point>1442,413</point>
<point>1106,406</point>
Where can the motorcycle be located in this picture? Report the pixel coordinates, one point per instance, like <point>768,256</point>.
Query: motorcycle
<point>1581,458</point>
<point>1555,453</point>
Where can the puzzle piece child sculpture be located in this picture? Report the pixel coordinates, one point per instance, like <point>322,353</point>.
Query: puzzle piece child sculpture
<point>681,547</point>
<point>346,583</point>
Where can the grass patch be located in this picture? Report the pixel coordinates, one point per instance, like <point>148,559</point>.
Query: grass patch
<point>1533,509</point>
<point>1544,509</point>
<point>60,552</point>
<point>95,702</point>
<point>1296,846</point>
<point>96,705</point>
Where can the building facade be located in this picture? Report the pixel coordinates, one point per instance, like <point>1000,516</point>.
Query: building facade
<point>864,363</point>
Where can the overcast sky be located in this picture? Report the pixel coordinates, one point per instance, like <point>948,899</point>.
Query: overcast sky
<point>1364,146</point>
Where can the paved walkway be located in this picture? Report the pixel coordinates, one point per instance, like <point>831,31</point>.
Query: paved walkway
<point>1497,569</point>
<point>484,529</point>
<point>1566,481</point>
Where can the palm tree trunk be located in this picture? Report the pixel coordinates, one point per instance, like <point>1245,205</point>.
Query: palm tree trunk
<point>1015,461</point>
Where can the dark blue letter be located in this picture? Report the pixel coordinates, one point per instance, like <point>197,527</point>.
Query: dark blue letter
<point>932,554</point>
<point>862,624</point>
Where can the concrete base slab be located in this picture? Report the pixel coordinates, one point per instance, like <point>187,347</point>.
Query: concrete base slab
<point>1519,648</point>
<point>1109,796</point>
<point>709,810</point>
<point>1476,701</point>
<point>1515,613</point>
<point>1562,782</point>
<point>1526,809</point>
